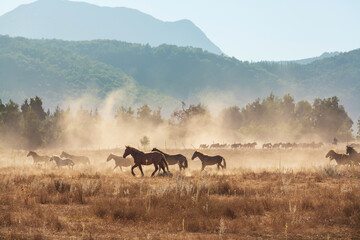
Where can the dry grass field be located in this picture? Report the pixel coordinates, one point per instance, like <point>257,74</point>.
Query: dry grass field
<point>263,194</point>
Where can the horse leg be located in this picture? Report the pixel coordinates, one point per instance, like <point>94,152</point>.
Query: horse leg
<point>141,170</point>
<point>162,166</point>
<point>203,167</point>
<point>156,168</point>
<point>114,168</point>
<point>218,166</point>
<point>132,170</point>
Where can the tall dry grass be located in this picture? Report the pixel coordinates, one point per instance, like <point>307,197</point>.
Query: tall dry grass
<point>93,202</point>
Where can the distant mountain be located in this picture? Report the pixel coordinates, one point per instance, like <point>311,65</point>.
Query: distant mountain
<point>310,60</point>
<point>61,19</point>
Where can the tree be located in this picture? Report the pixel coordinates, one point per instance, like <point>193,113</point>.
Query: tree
<point>2,110</point>
<point>330,119</point>
<point>358,133</point>
<point>11,124</point>
<point>144,141</point>
<point>124,115</point>
<point>186,114</point>
<point>144,113</point>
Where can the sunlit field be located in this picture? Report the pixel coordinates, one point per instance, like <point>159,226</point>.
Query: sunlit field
<point>279,194</point>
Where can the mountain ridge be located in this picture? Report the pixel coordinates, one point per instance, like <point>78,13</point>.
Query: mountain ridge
<point>61,19</point>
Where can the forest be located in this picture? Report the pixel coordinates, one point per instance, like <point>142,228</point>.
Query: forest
<point>28,125</point>
<point>57,70</point>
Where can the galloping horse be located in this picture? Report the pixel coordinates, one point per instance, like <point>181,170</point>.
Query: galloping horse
<point>174,159</point>
<point>141,158</point>
<point>77,159</point>
<point>354,155</point>
<point>37,158</point>
<point>209,160</point>
<point>62,162</point>
<point>341,159</point>
<point>119,161</point>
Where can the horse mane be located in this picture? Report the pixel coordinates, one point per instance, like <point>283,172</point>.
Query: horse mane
<point>157,150</point>
<point>333,150</point>
<point>134,149</point>
<point>201,153</point>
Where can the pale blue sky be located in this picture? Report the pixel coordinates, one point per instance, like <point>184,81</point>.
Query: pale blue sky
<point>257,29</point>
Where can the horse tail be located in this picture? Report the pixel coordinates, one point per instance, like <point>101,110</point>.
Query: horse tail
<point>163,159</point>
<point>224,162</point>
<point>185,163</point>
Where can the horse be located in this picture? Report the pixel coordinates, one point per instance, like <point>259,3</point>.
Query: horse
<point>267,146</point>
<point>62,162</point>
<point>37,158</point>
<point>209,160</point>
<point>78,159</point>
<point>174,159</point>
<point>119,161</point>
<point>204,146</point>
<point>236,145</point>
<point>341,159</point>
<point>354,155</point>
<point>141,158</point>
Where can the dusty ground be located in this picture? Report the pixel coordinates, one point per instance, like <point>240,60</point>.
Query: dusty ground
<point>263,194</point>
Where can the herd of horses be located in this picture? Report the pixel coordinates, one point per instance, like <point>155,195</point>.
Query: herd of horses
<point>162,160</point>
<point>156,157</point>
<point>252,145</point>
<point>351,158</point>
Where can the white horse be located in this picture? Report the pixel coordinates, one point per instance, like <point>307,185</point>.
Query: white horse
<point>62,162</point>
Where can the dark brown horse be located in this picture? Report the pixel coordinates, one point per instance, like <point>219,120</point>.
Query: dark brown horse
<point>354,155</point>
<point>141,158</point>
<point>341,159</point>
<point>37,158</point>
<point>209,160</point>
<point>119,161</point>
<point>76,159</point>
<point>174,159</point>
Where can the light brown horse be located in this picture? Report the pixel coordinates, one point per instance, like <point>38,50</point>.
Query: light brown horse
<point>119,161</point>
<point>141,158</point>
<point>209,160</point>
<point>341,159</point>
<point>77,159</point>
<point>37,158</point>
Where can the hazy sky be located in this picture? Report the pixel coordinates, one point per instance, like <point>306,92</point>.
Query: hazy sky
<point>257,29</point>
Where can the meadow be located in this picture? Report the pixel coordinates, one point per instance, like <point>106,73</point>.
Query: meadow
<point>263,194</point>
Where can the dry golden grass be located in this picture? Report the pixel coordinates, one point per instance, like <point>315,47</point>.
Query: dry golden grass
<point>318,202</point>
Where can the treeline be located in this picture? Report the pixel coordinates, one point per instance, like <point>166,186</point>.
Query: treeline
<point>28,125</point>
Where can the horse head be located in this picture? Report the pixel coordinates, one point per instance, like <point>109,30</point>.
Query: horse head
<point>110,157</point>
<point>30,153</point>
<point>330,154</point>
<point>127,151</point>
<point>350,150</point>
<point>194,155</point>
<point>63,154</point>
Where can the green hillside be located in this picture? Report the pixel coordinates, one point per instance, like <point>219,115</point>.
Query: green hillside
<point>56,69</point>
<point>35,67</point>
